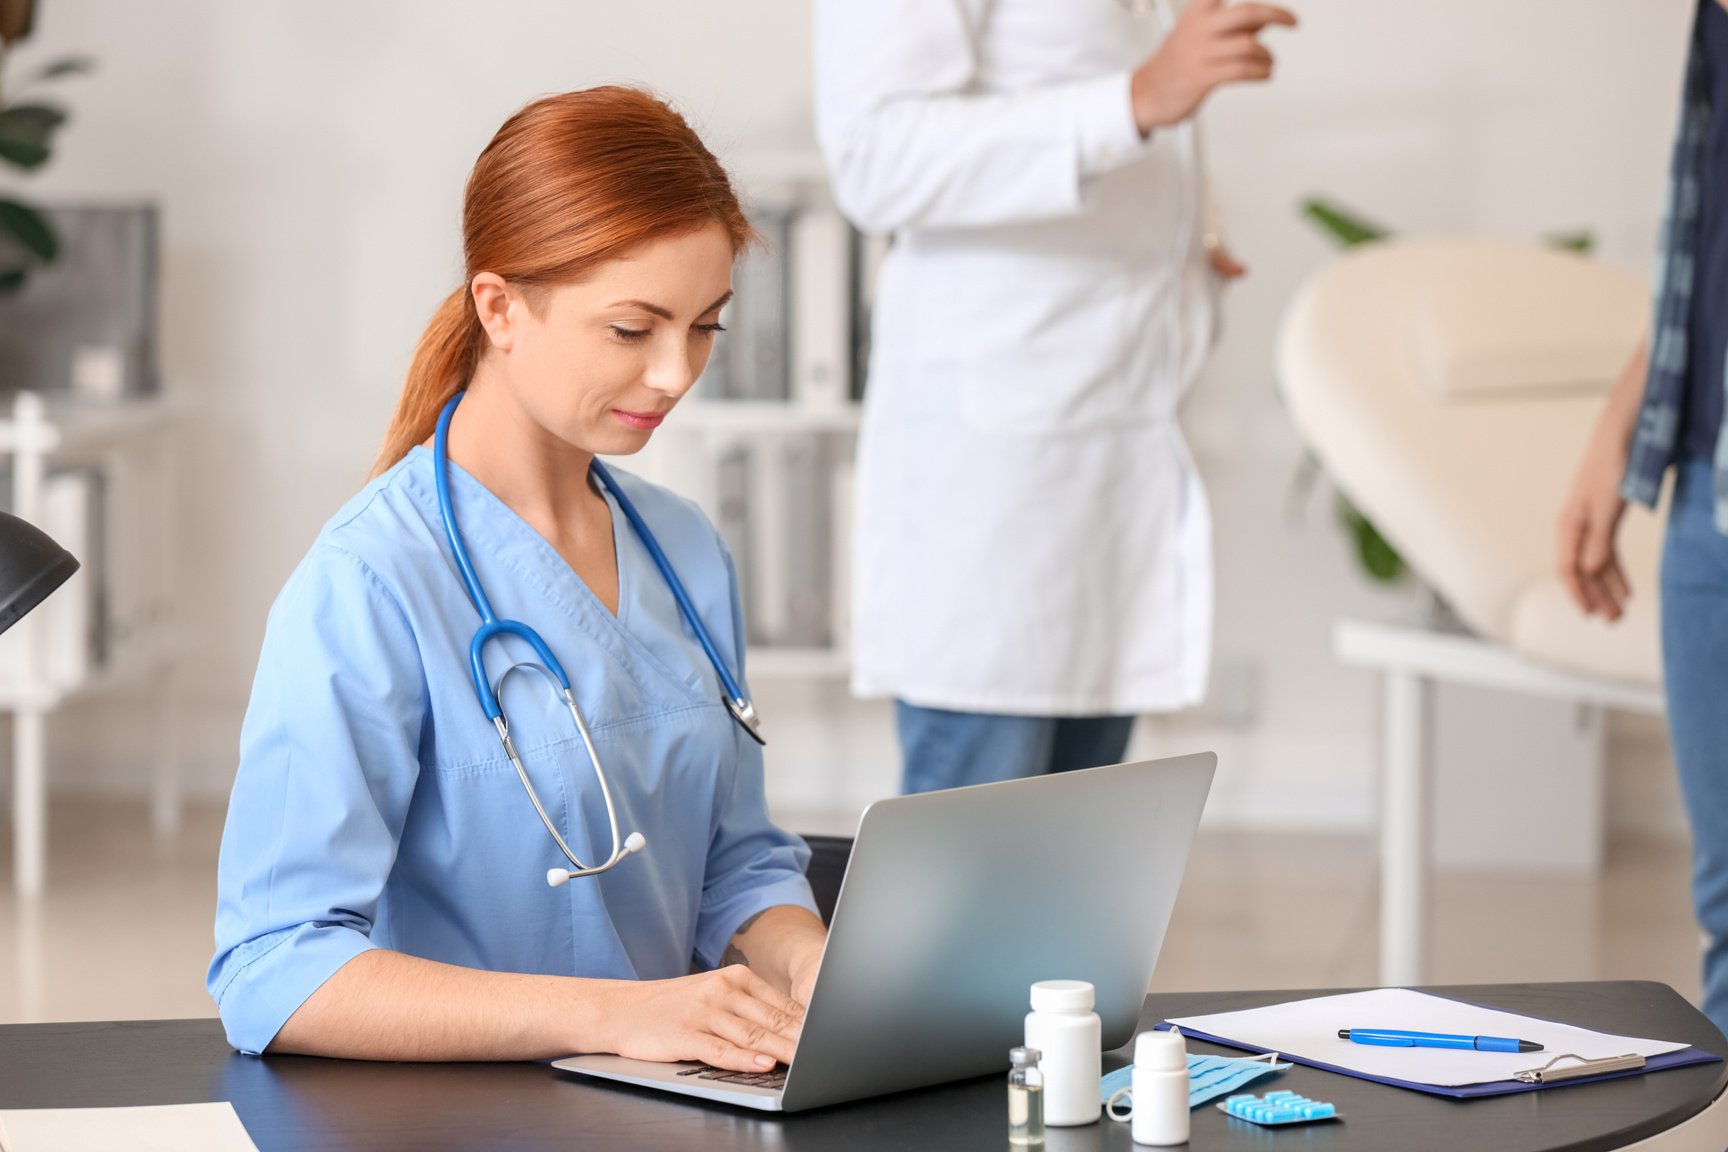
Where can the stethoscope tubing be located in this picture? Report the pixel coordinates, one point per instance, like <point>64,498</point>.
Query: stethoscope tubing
<point>676,585</point>
<point>491,627</point>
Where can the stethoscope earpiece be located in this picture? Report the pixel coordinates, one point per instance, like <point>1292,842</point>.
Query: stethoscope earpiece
<point>558,877</point>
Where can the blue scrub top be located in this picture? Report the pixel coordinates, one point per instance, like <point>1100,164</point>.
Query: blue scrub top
<point>374,808</point>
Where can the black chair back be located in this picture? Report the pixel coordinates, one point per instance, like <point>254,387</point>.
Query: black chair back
<point>828,858</point>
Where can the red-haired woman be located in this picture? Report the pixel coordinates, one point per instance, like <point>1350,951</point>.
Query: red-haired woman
<point>501,656</point>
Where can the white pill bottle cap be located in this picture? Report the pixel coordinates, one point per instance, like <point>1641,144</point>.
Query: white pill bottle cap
<point>1160,1051</point>
<point>1063,996</point>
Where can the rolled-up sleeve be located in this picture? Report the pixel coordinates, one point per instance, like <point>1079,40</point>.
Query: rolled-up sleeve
<point>911,143</point>
<point>328,764</point>
<point>752,864</point>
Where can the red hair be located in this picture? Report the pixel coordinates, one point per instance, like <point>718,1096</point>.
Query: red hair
<point>568,183</point>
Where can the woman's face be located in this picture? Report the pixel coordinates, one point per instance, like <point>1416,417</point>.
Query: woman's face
<point>598,364</point>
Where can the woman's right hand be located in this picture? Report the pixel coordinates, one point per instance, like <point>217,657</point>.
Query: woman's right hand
<point>730,1018</point>
<point>1588,562</point>
<point>1585,556</point>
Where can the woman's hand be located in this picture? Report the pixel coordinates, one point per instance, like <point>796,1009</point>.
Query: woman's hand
<point>1588,561</point>
<point>730,1018</point>
<point>803,970</point>
<point>784,945</point>
<point>1585,556</point>
<point>1211,43</point>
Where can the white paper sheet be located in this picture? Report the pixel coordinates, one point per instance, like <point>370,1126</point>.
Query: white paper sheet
<point>1309,1029</point>
<point>152,1128</point>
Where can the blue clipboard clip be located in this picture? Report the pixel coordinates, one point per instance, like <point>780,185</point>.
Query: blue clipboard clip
<point>1548,1074</point>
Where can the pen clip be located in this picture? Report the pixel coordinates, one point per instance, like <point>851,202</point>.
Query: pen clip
<point>1548,1074</point>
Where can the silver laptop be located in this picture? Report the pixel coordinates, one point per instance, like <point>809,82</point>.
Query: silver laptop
<point>954,903</point>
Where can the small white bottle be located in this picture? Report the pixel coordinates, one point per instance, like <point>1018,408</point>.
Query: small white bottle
<point>1064,1028</point>
<point>1160,1089</point>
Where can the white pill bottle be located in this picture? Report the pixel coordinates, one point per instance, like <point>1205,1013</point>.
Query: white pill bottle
<point>1160,1089</point>
<point>1064,1028</point>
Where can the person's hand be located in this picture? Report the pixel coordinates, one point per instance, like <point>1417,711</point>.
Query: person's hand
<point>730,1018</point>
<point>1224,265</point>
<point>1588,562</point>
<point>1212,43</point>
<point>804,970</point>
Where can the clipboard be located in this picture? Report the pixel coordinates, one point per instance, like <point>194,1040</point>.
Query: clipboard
<point>1562,1070</point>
<point>1549,1074</point>
<point>1583,1075</point>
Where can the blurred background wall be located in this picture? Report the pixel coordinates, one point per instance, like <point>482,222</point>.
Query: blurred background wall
<point>308,158</point>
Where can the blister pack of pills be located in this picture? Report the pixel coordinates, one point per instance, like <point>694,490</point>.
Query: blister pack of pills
<point>1276,1108</point>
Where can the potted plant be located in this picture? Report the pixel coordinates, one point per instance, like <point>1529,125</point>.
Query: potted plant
<point>27,129</point>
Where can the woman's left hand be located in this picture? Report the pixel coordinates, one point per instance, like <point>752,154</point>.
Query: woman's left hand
<point>803,972</point>
<point>782,944</point>
<point>1225,265</point>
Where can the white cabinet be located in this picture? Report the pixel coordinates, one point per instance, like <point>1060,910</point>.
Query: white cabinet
<point>99,480</point>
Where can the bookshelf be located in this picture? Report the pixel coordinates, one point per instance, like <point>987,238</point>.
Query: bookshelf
<point>766,440</point>
<point>99,479</point>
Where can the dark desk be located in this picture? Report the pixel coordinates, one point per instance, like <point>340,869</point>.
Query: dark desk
<point>290,1102</point>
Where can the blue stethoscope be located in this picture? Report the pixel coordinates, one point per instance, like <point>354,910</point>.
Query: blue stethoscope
<point>492,628</point>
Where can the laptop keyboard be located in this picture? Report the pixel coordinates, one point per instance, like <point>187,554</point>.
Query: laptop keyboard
<point>774,1078</point>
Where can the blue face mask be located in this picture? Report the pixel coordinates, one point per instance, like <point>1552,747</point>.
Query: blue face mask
<point>1209,1077</point>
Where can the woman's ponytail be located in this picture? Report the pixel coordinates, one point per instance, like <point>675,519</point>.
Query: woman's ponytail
<point>443,363</point>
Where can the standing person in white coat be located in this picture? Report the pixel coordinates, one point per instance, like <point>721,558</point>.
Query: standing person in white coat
<point>1034,547</point>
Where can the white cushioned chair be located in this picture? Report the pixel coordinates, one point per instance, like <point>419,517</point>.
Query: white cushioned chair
<point>1448,387</point>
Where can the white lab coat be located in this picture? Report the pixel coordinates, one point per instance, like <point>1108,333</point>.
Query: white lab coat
<point>1031,535</point>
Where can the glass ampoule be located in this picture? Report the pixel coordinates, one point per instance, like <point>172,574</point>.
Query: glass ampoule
<point>1025,1098</point>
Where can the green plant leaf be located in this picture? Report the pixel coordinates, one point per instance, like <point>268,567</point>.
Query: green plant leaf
<point>1340,224</point>
<point>30,228</point>
<point>1379,558</point>
<point>1583,241</point>
<point>31,123</point>
<point>24,155</point>
<point>1374,552</point>
<point>12,279</point>
<point>65,66</point>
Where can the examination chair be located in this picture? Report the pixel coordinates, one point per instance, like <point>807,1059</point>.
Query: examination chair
<point>1448,387</point>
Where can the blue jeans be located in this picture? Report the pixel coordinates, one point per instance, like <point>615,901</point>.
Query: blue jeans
<point>942,749</point>
<point>1695,666</point>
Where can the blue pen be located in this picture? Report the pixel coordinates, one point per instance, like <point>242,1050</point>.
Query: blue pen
<point>1396,1038</point>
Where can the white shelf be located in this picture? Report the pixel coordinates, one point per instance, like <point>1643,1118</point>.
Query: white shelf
<point>125,546</point>
<point>78,429</point>
<point>130,672</point>
<point>799,664</point>
<point>766,416</point>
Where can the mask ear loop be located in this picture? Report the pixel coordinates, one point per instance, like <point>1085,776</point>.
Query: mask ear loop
<point>1110,1104</point>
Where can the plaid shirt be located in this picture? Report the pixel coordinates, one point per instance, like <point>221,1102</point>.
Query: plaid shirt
<point>1655,440</point>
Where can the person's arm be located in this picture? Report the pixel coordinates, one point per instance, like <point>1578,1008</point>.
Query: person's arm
<point>909,144</point>
<point>329,764</point>
<point>1585,555</point>
<point>757,909</point>
<point>385,1005</point>
<point>784,945</point>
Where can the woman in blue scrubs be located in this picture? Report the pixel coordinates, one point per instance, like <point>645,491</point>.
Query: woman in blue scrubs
<point>382,888</point>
